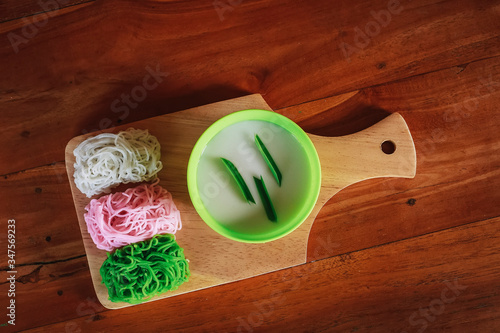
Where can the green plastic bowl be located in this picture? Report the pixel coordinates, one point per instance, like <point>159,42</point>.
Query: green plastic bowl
<point>305,199</point>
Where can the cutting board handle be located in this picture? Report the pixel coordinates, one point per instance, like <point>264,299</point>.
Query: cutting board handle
<point>352,158</point>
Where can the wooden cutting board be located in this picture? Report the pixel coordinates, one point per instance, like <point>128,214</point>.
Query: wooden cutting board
<point>214,259</point>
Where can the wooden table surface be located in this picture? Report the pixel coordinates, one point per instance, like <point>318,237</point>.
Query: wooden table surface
<point>384,255</point>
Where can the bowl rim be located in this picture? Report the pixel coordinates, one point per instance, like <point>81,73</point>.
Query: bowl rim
<point>314,178</point>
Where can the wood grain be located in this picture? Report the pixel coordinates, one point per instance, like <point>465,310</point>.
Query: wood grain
<point>12,9</point>
<point>81,62</point>
<point>433,55</point>
<point>457,172</point>
<point>214,259</point>
<point>64,288</point>
<point>376,290</point>
<point>375,199</point>
<point>40,200</point>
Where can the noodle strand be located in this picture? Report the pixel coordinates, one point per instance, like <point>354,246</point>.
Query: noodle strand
<point>139,271</point>
<point>139,213</point>
<point>108,159</point>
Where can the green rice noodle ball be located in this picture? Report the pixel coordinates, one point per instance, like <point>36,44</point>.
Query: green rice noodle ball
<point>137,272</point>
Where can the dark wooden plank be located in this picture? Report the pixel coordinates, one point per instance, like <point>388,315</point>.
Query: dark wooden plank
<point>46,224</point>
<point>51,292</point>
<point>14,9</point>
<point>443,281</point>
<point>70,75</point>
<point>451,118</point>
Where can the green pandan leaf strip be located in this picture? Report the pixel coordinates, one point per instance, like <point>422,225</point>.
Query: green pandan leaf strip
<point>266,200</point>
<point>269,159</point>
<point>239,180</point>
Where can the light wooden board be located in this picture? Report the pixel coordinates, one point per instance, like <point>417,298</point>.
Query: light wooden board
<point>214,259</point>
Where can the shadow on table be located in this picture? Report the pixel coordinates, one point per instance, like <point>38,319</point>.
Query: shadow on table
<point>344,120</point>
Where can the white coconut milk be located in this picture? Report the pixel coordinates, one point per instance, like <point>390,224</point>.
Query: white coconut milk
<point>219,191</point>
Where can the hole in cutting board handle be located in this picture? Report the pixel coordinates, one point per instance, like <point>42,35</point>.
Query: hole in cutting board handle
<point>388,147</point>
